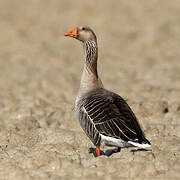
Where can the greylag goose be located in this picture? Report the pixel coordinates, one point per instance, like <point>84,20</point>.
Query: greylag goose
<point>104,116</point>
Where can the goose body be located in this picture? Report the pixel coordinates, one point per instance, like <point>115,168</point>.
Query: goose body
<point>104,116</point>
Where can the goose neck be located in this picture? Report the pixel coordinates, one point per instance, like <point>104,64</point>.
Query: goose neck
<point>91,56</point>
<point>90,80</point>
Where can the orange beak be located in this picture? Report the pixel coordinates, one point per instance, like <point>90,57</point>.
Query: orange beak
<point>72,33</point>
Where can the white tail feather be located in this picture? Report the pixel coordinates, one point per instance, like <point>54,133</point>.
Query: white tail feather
<point>140,145</point>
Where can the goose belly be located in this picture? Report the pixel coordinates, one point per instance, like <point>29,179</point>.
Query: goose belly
<point>110,141</point>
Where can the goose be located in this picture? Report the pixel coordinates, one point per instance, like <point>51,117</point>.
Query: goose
<point>105,117</point>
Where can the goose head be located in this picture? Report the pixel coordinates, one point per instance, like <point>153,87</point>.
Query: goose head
<point>82,33</point>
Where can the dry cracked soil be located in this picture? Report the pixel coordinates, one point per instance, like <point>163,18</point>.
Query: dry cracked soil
<point>40,69</point>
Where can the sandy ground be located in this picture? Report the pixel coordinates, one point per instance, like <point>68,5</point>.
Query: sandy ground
<point>40,69</point>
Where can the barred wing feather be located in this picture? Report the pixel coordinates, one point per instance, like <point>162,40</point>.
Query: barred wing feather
<point>110,116</point>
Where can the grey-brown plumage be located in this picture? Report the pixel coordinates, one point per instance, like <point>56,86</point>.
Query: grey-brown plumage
<point>104,116</point>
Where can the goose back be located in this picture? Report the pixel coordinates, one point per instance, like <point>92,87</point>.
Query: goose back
<point>102,113</point>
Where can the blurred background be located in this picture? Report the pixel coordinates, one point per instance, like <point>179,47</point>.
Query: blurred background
<point>40,70</point>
